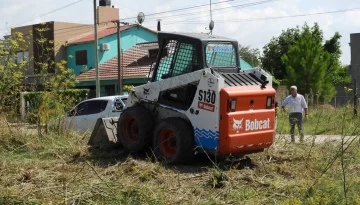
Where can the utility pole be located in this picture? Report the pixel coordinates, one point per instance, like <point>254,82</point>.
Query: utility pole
<point>211,24</point>
<point>96,52</point>
<point>120,71</point>
<point>118,58</point>
<point>122,66</point>
<point>210,11</point>
<point>141,18</point>
<point>355,98</point>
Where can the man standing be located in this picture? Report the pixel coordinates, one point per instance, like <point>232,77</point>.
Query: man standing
<point>297,104</point>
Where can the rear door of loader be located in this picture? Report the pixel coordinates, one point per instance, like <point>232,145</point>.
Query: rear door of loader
<point>247,118</point>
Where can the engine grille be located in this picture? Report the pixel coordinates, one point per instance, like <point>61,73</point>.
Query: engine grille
<point>239,79</point>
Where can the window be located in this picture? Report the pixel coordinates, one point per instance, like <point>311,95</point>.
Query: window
<point>81,57</point>
<point>89,108</point>
<point>81,109</point>
<point>97,106</point>
<point>22,56</point>
<point>185,62</point>
<point>220,55</point>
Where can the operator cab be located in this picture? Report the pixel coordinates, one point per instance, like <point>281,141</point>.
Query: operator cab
<point>182,53</point>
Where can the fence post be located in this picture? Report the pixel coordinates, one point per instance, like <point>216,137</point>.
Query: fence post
<point>335,102</point>
<point>22,105</point>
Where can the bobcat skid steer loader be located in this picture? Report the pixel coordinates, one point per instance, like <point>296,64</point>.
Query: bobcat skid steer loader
<point>197,100</point>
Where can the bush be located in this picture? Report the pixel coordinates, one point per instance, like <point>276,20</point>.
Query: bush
<point>127,88</point>
<point>52,103</point>
<point>74,95</point>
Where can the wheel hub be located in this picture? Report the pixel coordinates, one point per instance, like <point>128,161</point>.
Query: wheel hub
<point>131,129</point>
<point>167,143</point>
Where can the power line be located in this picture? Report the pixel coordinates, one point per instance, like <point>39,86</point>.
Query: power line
<point>50,12</point>
<point>80,26</point>
<point>267,18</point>
<point>220,9</point>
<point>186,8</point>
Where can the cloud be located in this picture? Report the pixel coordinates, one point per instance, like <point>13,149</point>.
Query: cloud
<point>352,18</point>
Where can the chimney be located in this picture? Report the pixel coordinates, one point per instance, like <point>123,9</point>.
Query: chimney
<point>106,13</point>
<point>106,3</point>
<point>159,25</point>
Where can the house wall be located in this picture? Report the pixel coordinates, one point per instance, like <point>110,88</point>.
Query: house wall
<point>128,39</point>
<point>64,32</point>
<point>27,33</point>
<point>245,65</point>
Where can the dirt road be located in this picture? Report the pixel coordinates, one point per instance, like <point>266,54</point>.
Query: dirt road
<point>318,138</point>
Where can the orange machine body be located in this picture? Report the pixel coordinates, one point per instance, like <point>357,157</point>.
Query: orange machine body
<point>250,126</point>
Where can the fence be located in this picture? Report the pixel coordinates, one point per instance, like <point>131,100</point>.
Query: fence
<point>336,101</point>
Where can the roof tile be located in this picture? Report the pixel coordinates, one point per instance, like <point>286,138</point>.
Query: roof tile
<point>101,34</point>
<point>136,63</point>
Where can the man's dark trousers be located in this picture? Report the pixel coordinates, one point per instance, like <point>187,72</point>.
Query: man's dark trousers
<point>296,119</point>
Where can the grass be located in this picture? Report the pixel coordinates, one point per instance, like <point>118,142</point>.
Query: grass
<point>324,120</point>
<point>60,169</point>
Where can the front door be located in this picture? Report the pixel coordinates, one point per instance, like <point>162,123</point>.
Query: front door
<point>83,117</point>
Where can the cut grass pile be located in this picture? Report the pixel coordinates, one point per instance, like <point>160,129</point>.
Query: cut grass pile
<point>60,169</point>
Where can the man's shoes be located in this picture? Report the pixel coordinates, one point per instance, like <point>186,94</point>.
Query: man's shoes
<point>292,139</point>
<point>302,137</point>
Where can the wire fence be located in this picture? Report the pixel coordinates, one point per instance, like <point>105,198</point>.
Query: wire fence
<point>337,101</point>
<point>314,100</point>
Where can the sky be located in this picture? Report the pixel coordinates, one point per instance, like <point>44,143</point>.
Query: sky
<point>250,22</point>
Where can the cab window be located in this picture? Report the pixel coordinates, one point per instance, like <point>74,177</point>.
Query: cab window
<point>177,58</point>
<point>220,55</point>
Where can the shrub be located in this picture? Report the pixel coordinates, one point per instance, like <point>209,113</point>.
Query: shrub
<point>41,103</point>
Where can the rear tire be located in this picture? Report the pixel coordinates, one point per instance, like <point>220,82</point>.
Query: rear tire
<point>135,128</point>
<point>173,141</point>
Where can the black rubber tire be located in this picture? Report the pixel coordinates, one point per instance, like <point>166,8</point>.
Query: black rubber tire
<point>184,136</point>
<point>144,120</point>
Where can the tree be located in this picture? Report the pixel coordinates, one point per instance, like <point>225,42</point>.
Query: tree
<point>307,64</point>
<point>49,76</point>
<point>12,71</point>
<point>250,55</point>
<point>341,75</point>
<point>273,52</point>
<point>53,78</point>
<point>279,46</point>
<point>336,72</point>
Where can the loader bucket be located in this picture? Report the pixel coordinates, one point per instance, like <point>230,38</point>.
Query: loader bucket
<point>104,134</point>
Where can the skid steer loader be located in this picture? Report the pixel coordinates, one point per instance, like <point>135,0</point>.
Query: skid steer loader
<point>197,100</point>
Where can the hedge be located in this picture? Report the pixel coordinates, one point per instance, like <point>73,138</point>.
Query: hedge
<point>72,96</point>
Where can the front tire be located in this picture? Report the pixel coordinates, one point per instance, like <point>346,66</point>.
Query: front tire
<point>173,141</point>
<point>135,128</point>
